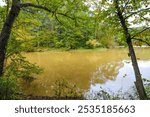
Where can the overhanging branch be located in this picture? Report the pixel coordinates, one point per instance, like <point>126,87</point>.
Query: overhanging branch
<point>141,40</point>
<point>140,32</point>
<point>35,6</point>
<point>44,8</point>
<point>133,13</point>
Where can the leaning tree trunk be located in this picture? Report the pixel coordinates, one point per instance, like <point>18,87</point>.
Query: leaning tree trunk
<point>139,82</point>
<point>6,30</point>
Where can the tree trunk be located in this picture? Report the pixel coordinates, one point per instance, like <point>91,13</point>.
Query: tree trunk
<point>6,30</point>
<point>139,82</point>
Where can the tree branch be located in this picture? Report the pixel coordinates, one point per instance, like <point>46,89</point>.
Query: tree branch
<point>58,19</point>
<point>146,19</point>
<point>140,32</point>
<point>133,13</point>
<point>144,41</point>
<point>66,15</point>
<point>35,6</point>
<point>44,8</point>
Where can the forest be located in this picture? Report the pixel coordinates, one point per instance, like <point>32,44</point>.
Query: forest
<point>74,49</point>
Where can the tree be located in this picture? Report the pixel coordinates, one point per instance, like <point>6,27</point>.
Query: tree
<point>119,14</point>
<point>138,83</point>
<point>123,16</point>
<point>55,7</point>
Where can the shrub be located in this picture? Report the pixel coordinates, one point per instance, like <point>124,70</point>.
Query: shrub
<point>8,88</point>
<point>65,90</point>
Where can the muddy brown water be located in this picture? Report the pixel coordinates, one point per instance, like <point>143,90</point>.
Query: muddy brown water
<point>110,69</point>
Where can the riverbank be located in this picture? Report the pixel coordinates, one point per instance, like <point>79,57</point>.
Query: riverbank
<point>81,49</point>
<point>64,49</point>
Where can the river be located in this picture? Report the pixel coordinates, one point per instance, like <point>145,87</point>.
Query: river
<point>110,69</point>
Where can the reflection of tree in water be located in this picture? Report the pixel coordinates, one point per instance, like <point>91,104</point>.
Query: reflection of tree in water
<point>106,72</point>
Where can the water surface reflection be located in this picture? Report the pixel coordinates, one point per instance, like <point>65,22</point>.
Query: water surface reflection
<point>121,77</point>
<point>110,69</point>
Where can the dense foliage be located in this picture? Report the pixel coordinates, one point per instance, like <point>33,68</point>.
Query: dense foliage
<point>69,24</point>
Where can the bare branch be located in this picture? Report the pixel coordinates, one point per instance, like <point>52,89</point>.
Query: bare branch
<point>133,13</point>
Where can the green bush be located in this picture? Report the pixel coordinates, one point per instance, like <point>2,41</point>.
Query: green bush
<point>8,88</point>
<point>65,90</point>
<point>16,66</point>
<point>147,87</point>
